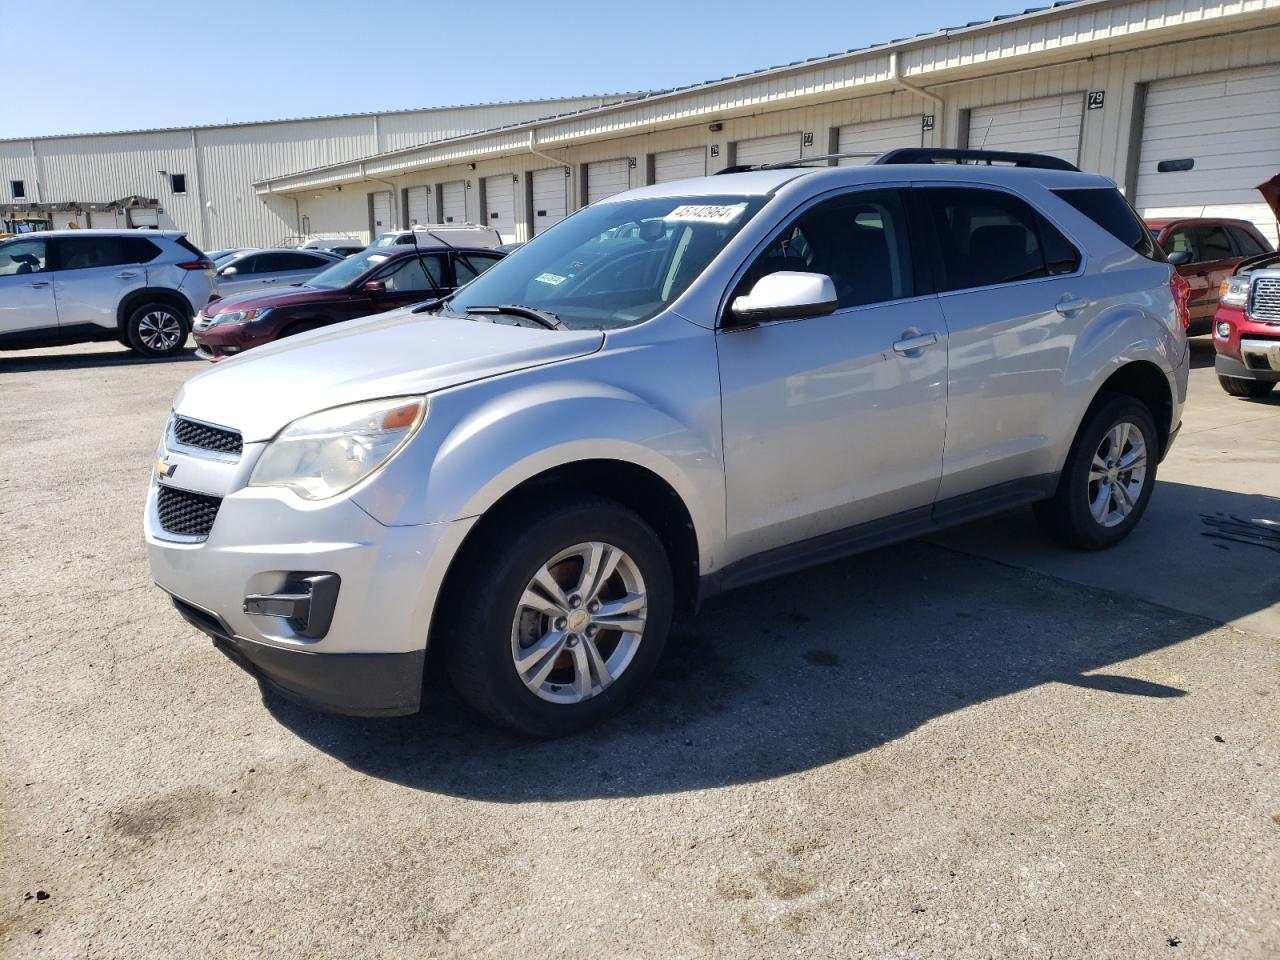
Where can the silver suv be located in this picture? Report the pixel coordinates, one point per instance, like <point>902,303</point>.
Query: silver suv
<point>77,286</point>
<point>679,390</point>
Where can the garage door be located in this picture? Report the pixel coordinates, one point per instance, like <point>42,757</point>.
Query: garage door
<point>144,217</point>
<point>877,137</point>
<point>382,221</point>
<point>679,164</point>
<point>418,203</point>
<point>769,149</point>
<point>1048,125</point>
<point>1215,144</point>
<point>500,206</point>
<point>550,198</point>
<point>453,202</point>
<point>607,177</point>
<point>102,219</point>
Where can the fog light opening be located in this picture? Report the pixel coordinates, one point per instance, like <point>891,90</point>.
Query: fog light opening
<point>1223,330</point>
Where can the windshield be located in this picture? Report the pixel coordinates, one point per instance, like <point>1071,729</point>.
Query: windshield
<point>345,271</point>
<point>386,240</point>
<point>614,264</point>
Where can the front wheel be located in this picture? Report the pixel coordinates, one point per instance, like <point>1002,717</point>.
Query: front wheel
<point>1253,389</point>
<point>1108,477</point>
<point>156,330</point>
<point>558,621</point>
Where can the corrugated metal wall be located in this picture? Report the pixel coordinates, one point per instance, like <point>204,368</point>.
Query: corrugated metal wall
<point>221,164</point>
<point>1104,140</point>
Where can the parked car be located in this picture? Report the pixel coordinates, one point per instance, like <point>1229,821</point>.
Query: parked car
<point>342,246</point>
<point>255,269</point>
<point>536,474</point>
<point>217,255</point>
<point>80,286</point>
<point>1205,250</point>
<point>1246,329</point>
<point>371,282</point>
<point>456,234</point>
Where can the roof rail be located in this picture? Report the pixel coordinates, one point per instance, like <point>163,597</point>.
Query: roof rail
<point>797,162</point>
<point>1039,161</point>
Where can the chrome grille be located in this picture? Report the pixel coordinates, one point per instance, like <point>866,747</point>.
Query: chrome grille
<point>1266,299</point>
<point>184,513</point>
<point>202,435</point>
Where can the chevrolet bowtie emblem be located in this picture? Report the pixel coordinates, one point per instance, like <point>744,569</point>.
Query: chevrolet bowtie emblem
<point>165,469</point>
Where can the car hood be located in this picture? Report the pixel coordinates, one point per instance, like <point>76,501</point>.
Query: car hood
<point>279,297</point>
<point>388,355</point>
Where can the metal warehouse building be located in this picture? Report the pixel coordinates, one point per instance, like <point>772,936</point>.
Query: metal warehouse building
<point>1177,100</point>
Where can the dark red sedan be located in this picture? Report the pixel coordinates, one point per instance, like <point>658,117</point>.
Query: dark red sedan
<point>366,283</point>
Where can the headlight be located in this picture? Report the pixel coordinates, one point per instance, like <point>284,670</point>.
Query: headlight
<point>323,454</point>
<point>1234,292</point>
<point>238,316</point>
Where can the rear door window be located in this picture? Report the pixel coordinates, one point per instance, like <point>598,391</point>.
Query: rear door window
<point>413,274</point>
<point>988,238</point>
<point>86,253</point>
<point>468,266</point>
<point>1246,243</point>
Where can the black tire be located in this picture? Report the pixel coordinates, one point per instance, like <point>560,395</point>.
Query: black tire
<point>498,566</point>
<point>1066,516</point>
<point>302,326</point>
<point>143,323</point>
<point>1253,389</point>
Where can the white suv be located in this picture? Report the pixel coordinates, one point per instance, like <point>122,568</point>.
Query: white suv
<point>78,286</point>
<point>676,391</point>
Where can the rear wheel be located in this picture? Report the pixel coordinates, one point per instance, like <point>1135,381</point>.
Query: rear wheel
<point>1108,477</point>
<point>156,330</point>
<point>557,623</point>
<point>1239,387</point>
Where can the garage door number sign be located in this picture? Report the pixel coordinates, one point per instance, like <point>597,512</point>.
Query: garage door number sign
<point>1096,99</point>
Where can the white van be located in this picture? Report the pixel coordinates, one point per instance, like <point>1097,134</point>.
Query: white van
<point>452,234</point>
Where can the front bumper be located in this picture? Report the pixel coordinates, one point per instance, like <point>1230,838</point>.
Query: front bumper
<point>355,684</point>
<point>219,342</point>
<point>263,541</point>
<point>1260,361</point>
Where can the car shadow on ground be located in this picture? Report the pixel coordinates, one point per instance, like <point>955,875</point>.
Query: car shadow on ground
<point>793,674</point>
<point>1202,351</point>
<point>31,361</point>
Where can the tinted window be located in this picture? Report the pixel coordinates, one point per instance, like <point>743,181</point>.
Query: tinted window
<point>178,182</point>
<point>190,247</point>
<point>468,266</point>
<point>248,265</point>
<point>414,274</point>
<point>18,189</point>
<point>989,237</point>
<point>1106,207</point>
<point>858,240</point>
<point>1246,242</point>
<point>21,257</point>
<point>1211,242</point>
<point>84,253</point>
<point>280,262</point>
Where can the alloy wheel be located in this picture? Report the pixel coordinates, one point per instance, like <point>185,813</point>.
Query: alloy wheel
<point>579,622</point>
<point>159,330</point>
<point>1117,474</point>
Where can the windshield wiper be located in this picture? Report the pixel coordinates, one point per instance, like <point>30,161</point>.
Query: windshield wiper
<point>543,317</point>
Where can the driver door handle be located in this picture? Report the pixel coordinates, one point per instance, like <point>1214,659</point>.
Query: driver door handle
<point>39,283</point>
<point>126,274</point>
<point>909,345</point>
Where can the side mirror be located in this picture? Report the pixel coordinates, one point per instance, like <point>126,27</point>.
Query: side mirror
<point>228,272</point>
<point>1179,259</point>
<point>374,286</point>
<point>786,295</point>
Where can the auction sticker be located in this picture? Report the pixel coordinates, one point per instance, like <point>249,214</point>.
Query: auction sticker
<point>706,213</point>
<point>552,278</point>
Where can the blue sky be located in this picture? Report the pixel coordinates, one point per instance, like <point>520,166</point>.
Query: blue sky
<point>91,65</point>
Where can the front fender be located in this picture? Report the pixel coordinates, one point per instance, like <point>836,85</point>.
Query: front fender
<point>481,442</point>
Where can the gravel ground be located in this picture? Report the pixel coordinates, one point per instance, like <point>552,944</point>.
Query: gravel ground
<point>920,752</point>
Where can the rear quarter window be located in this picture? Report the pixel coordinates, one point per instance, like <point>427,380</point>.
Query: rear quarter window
<point>1108,209</point>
